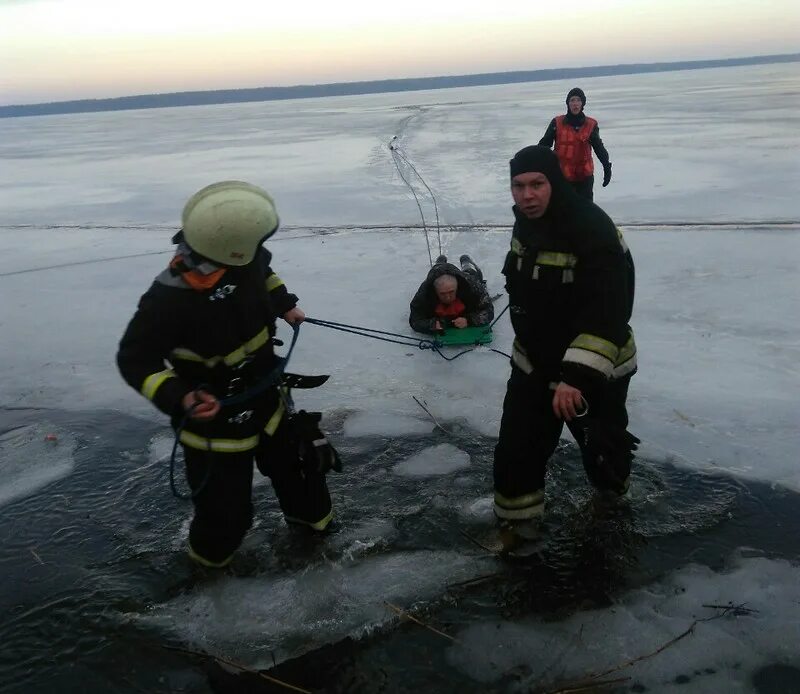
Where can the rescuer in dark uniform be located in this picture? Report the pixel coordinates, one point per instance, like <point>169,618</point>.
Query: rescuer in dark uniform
<point>570,282</point>
<point>202,336</point>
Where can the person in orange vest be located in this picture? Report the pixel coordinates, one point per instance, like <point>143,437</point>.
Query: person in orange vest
<point>575,135</point>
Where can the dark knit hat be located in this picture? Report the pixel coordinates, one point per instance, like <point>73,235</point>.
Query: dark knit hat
<point>575,91</point>
<point>536,158</point>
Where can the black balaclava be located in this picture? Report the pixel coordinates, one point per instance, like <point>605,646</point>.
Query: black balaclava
<point>536,158</point>
<point>580,117</point>
<point>576,91</point>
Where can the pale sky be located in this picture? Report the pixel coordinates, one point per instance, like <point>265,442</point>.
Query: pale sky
<point>54,50</point>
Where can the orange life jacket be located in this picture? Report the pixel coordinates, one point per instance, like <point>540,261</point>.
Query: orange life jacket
<point>451,311</point>
<point>573,149</point>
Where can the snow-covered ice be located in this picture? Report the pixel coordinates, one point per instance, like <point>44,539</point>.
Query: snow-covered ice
<point>705,190</point>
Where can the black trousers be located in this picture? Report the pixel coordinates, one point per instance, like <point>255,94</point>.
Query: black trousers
<point>530,430</point>
<point>223,510</point>
<point>584,188</point>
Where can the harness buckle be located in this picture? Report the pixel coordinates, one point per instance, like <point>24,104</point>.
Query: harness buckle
<point>235,386</point>
<point>240,418</point>
<point>243,363</point>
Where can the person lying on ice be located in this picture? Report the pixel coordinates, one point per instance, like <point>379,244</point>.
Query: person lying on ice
<point>202,334</point>
<point>450,297</point>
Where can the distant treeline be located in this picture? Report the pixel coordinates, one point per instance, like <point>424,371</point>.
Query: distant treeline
<point>229,96</point>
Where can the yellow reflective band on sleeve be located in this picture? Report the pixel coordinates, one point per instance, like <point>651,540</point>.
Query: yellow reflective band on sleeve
<point>622,241</point>
<point>628,349</point>
<point>517,248</point>
<point>522,507</point>
<point>247,348</point>
<point>273,282</point>
<point>626,368</point>
<point>153,382</point>
<point>188,355</point>
<point>555,259</point>
<point>597,345</point>
<point>194,556</point>
<point>626,361</point>
<point>593,360</point>
<point>273,422</point>
<point>519,357</point>
<point>218,445</point>
<point>240,353</point>
<point>319,525</point>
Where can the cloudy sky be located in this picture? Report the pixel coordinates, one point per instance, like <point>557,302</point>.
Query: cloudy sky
<point>52,50</point>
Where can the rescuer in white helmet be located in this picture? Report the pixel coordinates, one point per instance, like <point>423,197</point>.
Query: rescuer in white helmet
<point>200,347</point>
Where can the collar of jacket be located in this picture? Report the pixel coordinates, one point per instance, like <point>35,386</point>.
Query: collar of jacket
<point>575,120</point>
<point>200,276</point>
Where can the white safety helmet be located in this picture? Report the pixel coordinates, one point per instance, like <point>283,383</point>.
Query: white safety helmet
<point>226,222</point>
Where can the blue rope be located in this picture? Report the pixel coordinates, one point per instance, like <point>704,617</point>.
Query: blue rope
<point>174,487</point>
<point>486,330</point>
<point>491,325</point>
<point>419,206</point>
<point>422,344</point>
<point>274,376</point>
<point>410,341</point>
<point>270,380</point>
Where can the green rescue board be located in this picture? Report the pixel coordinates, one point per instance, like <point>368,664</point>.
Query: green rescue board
<point>465,336</point>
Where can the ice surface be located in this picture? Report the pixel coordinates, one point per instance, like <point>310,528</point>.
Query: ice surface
<point>479,510</point>
<point>720,655</point>
<point>32,456</point>
<point>718,351</point>
<point>89,203</point>
<point>436,460</point>
<point>321,604</point>
<point>700,145</point>
<point>384,424</point>
<point>718,355</point>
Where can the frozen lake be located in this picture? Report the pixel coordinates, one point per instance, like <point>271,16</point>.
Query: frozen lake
<point>705,190</point>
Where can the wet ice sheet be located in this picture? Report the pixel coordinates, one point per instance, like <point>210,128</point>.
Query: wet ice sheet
<point>717,349</point>
<point>718,346</point>
<point>436,460</point>
<point>306,609</point>
<point>723,654</point>
<point>379,423</point>
<point>33,456</point>
<point>109,543</point>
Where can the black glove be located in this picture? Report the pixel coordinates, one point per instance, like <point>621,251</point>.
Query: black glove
<point>608,451</point>
<point>606,174</point>
<point>315,451</point>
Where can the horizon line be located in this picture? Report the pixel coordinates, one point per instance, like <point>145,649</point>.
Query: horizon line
<point>385,85</point>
